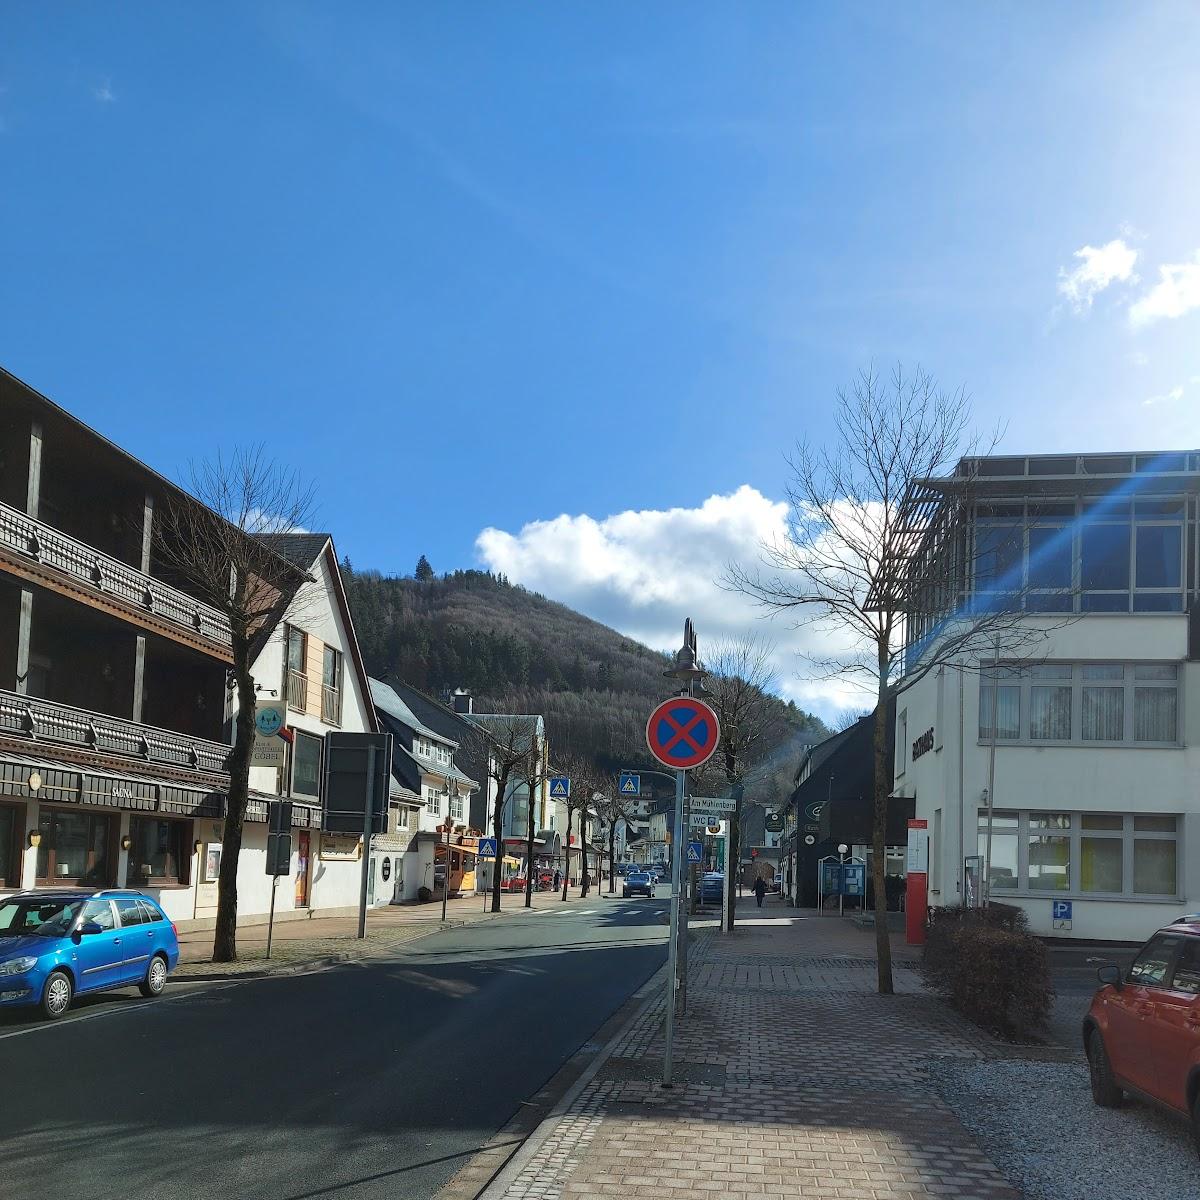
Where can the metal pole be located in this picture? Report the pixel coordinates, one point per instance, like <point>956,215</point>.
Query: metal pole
<point>986,889</point>
<point>725,881</point>
<point>673,946</point>
<point>368,822</point>
<point>271,918</point>
<point>842,885</point>
<point>685,904</point>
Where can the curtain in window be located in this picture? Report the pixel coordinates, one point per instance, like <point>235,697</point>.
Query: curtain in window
<point>1154,718</point>
<point>1154,867</point>
<point>1103,714</point>
<point>1101,864</point>
<point>1010,711</point>
<point>1050,713</point>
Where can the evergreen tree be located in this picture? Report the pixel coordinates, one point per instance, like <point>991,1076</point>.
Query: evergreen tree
<point>424,572</point>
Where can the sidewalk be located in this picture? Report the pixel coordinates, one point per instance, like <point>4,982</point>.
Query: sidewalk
<point>794,1078</point>
<point>297,943</point>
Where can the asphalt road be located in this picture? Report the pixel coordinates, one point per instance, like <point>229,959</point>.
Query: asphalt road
<point>366,1080</point>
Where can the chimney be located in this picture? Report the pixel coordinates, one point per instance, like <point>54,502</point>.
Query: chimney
<point>462,702</point>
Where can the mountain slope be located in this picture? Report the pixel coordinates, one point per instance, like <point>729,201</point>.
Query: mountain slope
<point>517,651</point>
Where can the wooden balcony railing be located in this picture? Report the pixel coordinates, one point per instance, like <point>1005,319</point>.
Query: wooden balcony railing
<point>331,705</point>
<point>297,690</point>
<point>37,542</point>
<point>48,721</point>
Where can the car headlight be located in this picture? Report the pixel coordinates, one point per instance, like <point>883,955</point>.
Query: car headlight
<point>17,966</point>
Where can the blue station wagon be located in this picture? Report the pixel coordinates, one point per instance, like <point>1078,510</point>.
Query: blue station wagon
<point>55,944</point>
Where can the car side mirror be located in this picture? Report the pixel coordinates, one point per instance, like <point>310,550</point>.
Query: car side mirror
<point>90,927</point>
<point>1111,975</point>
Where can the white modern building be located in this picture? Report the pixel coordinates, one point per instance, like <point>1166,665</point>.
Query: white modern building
<point>1090,737</point>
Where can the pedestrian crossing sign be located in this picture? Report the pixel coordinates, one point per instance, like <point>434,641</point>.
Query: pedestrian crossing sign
<point>560,787</point>
<point>630,784</point>
<point>695,852</point>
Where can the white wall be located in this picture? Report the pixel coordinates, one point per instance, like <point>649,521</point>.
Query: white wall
<point>951,777</point>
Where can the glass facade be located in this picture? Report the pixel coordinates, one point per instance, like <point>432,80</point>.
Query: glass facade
<point>76,847</point>
<point>160,852</point>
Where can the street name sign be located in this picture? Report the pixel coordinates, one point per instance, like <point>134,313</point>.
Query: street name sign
<point>711,806</point>
<point>695,852</point>
<point>630,784</point>
<point>683,733</point>
<point>560,787</point>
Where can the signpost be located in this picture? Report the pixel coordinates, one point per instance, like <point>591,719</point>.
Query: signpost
<point>682,733</point>
<point>560,788</point>
<point>487,847</point>
<point>355,776</point>
<point>270,748</point>
<point>1061,914</point>
<point>695,853</point>
<point>629,784</point>
<point>279,852</point>
<point>916,896</point>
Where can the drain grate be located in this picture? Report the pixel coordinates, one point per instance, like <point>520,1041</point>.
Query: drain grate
<point>835,963</point>
<point>622,1070</point>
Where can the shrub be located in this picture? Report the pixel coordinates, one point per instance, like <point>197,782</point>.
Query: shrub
<point>989,967</point>
<point>424,895</point>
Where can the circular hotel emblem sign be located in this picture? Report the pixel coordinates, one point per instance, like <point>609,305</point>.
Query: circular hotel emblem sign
<point>34,781</point>
<point>268,721</point>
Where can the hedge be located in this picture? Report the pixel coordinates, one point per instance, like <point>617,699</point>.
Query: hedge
<point>989,967</point>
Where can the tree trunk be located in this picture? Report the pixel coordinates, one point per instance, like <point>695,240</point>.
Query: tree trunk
<point>584,881</point>
<point>567,872</point>
<point>225,934</point>
<point>612,854</point>
<point>883,943</point>
<point>498,834</point>
<point>529,867</point>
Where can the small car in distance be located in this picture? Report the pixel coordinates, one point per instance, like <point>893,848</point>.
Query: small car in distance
<point>638,883</point>
<point>56,944</point>
<point>1142,1030</point>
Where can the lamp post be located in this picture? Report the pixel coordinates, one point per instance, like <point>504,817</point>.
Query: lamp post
<point>451,796</point>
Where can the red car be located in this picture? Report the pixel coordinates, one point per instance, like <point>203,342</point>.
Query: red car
<point>1142,1033</point>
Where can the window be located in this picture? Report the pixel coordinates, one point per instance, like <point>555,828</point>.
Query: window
<point>902,742</point>
<point>150,913</point>
<point>331,686</point>
<point>433,802</point>
<point>296,646</point>
<point>402,818</point>
<point>306,765</point>
<point>76,847</point>
<point>1150,967</point>
<point>1187,967</point>
<point>457,808</point>
<point>1093,854</point>
<point>98,912</point>
<point>160,854</point>
<point>1106,703</point>
<point>297,669</point>
<point>130,912</point>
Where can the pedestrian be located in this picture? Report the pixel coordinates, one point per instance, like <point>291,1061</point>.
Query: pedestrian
<point>557,879</point>
<point>760,890</point>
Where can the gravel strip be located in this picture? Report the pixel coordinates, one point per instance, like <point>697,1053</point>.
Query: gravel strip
<point>1039,1125</point>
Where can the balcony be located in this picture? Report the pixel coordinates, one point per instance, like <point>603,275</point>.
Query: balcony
<point>297,690</point>
<point>51,557</point>
<point>331,705</point>
<point>48,722</point>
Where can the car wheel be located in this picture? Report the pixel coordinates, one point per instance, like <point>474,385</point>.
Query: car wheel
<point>57,995</point>
<point>156,977</point>
<point>1104,1089</point>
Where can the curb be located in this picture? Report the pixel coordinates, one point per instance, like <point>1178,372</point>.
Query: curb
<point>641,1000</point>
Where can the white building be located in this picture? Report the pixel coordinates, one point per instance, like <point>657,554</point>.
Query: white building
<point>1095,830</point>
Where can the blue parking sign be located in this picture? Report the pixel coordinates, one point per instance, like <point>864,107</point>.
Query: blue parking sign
<point>1061,914</point>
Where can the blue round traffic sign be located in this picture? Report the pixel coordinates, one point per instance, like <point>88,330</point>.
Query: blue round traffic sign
<point>683,733</point>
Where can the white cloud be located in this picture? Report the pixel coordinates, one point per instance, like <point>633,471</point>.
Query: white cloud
<point>1138,359</point>
<point>104,92</point>
<point>1099,267</point>
<point>1176,293</point>
<point>1176,393</point>
<point>643,571</point>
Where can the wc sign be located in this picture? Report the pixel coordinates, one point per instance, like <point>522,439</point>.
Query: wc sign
<point>1061,912</point>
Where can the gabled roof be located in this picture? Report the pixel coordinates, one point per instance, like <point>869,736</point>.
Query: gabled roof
<point>388,700</point>
<point>454,727</point>
<point>300,549</point>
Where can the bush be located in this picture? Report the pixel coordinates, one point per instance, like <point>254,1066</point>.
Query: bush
<point>986,964</point>
<point>424,895</point>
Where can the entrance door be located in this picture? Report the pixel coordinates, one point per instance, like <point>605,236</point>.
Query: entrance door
<point>302,860</point>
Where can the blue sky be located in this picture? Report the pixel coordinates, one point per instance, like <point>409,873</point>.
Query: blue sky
<point>478,265</point>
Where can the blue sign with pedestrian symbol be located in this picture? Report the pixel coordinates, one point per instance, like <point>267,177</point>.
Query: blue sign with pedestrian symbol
<point>487,847</point>
<point>630,784</point>
<point>560,787</point>
<point>695,852</point>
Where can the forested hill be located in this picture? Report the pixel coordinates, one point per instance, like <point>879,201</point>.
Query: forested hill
<point>519,652</point>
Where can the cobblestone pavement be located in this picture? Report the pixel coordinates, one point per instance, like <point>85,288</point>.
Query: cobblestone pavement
<point>794,1078</point>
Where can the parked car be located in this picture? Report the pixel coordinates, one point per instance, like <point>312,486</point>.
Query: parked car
<point>777,882</point>
<point>1142,1032</point>
<point>712,887</point>
<point>638,883</point>
<point>57,944</point>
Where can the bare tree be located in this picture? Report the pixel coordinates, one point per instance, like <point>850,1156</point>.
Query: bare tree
<point>881,558</point>
<point>534,771</point>
<point>740,681</point>
<point>582,774</point>
<point>503,748</point>
<point>220,550</point>
<point>613,809</point>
